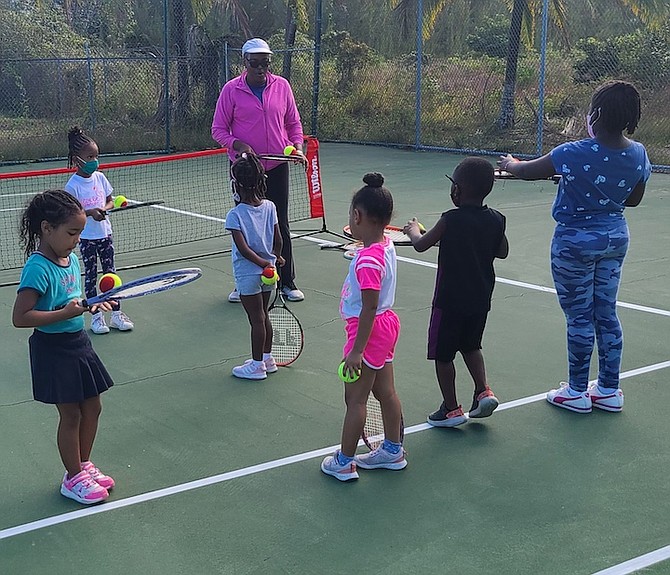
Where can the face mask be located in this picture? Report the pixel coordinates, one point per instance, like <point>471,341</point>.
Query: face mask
<point>590,120</point>
<point>89,167</point>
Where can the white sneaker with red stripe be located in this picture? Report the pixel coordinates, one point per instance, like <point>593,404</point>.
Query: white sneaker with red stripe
<point>83,488</point>
<point>346,472</point>
<point>606,398</point>
<point>563,397</point>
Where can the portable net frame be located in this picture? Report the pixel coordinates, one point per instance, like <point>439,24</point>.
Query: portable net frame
<point>196,193</point>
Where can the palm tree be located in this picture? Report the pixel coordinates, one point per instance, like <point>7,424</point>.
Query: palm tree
<point>652,12</point>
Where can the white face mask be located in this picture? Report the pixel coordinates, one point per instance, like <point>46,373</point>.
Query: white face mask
<point>591,119</point>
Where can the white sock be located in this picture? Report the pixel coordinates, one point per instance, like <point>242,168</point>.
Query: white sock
<point>256,363</point>
<point>267,356</point>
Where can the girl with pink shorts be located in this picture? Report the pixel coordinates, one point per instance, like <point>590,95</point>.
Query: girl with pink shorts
<point>372,330</point>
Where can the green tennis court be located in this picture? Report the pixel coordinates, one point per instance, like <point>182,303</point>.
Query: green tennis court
<point>217,475</point>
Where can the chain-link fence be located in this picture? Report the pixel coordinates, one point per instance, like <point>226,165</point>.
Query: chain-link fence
<point>487,94</point>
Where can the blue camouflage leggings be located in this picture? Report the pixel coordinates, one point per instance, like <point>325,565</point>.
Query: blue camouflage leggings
<point>90,251</point>
<point>586,265</point>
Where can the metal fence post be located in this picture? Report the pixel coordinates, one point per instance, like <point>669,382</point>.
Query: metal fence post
<point>419,66</point>
<point>91,98</point>
<point>317,68</point>
<point>543,78</point>
<point>166,72</point>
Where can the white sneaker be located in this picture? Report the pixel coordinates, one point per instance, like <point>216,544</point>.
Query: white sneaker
<point>382,459</point>
<point>270,364</point>
<point>292,294</point>
<point>605,398</point>
<point>250,370</point>
<point>121,321</point>
<point>234,296</point>
<point>562,397</point>
<point>98,324</point>
<point>347,472</point>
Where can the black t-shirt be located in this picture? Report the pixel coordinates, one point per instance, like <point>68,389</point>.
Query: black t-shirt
<point>465,276</point>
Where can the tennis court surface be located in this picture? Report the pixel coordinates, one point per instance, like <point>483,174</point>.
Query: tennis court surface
<point>217,475</point>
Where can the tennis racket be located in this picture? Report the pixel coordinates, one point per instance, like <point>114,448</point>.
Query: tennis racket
<point>394,233</point>
<point>132,206</point>
<point>373,430</point>
<point>499,174</point>
<point>147,285</point>
<point>295,158</point>
<point>288,337</point>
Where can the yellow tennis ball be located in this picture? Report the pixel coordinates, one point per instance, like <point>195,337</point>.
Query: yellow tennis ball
<point>289,150</point>
<point>422,229</point>
<point>346,377</point>
<point>269,276</point>
<point>108,282</point>
<point>120,201</point>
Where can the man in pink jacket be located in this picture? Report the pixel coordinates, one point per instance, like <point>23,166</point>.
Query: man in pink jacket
<point>256,112</point>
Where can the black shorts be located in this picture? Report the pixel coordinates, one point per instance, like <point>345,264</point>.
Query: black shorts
<point>450,332</point>
<point>65,368</point>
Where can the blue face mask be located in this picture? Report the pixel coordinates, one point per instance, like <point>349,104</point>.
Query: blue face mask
<point>89,167</point>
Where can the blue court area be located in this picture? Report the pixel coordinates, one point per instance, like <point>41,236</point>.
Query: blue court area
<point>220,475</point>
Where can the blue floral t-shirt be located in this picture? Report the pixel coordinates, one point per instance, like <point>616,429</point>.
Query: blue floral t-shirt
<point>596,181</point>
<point>57,285</point>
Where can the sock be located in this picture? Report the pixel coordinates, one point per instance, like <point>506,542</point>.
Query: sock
<point>573,393</point>
<point>266,356</point>
<point>391,447</point>
<point>342,459</point>
<point>256,363</point>
<point>606,390</point>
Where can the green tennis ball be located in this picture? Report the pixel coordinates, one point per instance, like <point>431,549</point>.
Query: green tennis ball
<point>289,150</point>
<point>346,377</point>
<point>422,229</point>
<point>108,282</point>
<point>120,201</point>
<point>269,276</point>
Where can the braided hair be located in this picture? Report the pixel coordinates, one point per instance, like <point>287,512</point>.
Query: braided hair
<point>374,199</point>
<point>54,206</point>
<point>617,106</point>
<point>248,177</point>
<point>76,139</point>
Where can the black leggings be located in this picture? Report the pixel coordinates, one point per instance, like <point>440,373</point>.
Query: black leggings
<point>277,192</point>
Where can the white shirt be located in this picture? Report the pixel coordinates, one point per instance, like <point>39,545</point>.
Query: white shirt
<point>92,193</point>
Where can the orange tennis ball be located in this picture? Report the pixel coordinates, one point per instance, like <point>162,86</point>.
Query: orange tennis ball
<point>108,282</point>
<point>120,201</point>
<point>269,276</point>
<point>289,150</point>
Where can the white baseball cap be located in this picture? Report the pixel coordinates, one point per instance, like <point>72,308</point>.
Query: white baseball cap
<point>256,46</point>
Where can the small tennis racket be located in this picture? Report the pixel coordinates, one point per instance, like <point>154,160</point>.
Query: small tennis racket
<point>373,430</point>
<point>295,158</point>
<point>394,233</point>
<point>147,285</point>
<point>288,337</point>
<point>132,206</point>
<point>499,174</point>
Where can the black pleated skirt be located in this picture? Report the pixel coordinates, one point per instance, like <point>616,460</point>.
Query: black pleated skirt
<point>65,368</point>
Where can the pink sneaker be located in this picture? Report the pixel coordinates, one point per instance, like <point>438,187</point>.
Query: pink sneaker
<point>83,489</point>
<point>607,399</point>
<point>562,397</point>
<point>98,476</point>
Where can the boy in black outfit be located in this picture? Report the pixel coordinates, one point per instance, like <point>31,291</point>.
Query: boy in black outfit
<point>470,237</point>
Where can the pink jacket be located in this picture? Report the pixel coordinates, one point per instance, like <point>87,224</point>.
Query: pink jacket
<point>267,127</point>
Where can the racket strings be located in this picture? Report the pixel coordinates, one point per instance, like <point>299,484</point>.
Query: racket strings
<point>373,430</point>
<point>287,339</point>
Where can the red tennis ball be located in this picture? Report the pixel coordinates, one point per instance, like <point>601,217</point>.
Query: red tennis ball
<point>108,282</point>
<point>269,276</point>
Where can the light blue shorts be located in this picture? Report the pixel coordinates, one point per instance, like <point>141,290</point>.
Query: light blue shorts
<point>252,285</point>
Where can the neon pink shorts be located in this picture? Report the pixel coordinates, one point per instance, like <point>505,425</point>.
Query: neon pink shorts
<point>383,338</point>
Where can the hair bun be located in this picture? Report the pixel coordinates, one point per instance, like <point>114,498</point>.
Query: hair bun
<point>374,179</point>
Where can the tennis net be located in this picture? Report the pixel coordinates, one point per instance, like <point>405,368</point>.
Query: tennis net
<point>195,189</point>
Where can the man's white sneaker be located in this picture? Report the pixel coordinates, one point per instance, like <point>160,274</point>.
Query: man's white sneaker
<point>562,397</point>
<point>292,294</point>
<point>605,398</point>
<point>98,324</point>
<point>250,370</point>
<point>121,321</point>
<point>234,296</point>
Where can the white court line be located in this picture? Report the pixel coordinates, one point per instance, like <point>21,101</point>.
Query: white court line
<point>252,470</point>
<point>516,283</point>
<point>638,563</point>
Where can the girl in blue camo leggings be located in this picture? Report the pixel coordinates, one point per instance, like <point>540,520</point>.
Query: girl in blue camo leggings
<point>600,176</point>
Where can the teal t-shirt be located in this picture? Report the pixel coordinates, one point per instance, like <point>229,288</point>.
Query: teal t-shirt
<point>57,285</point>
